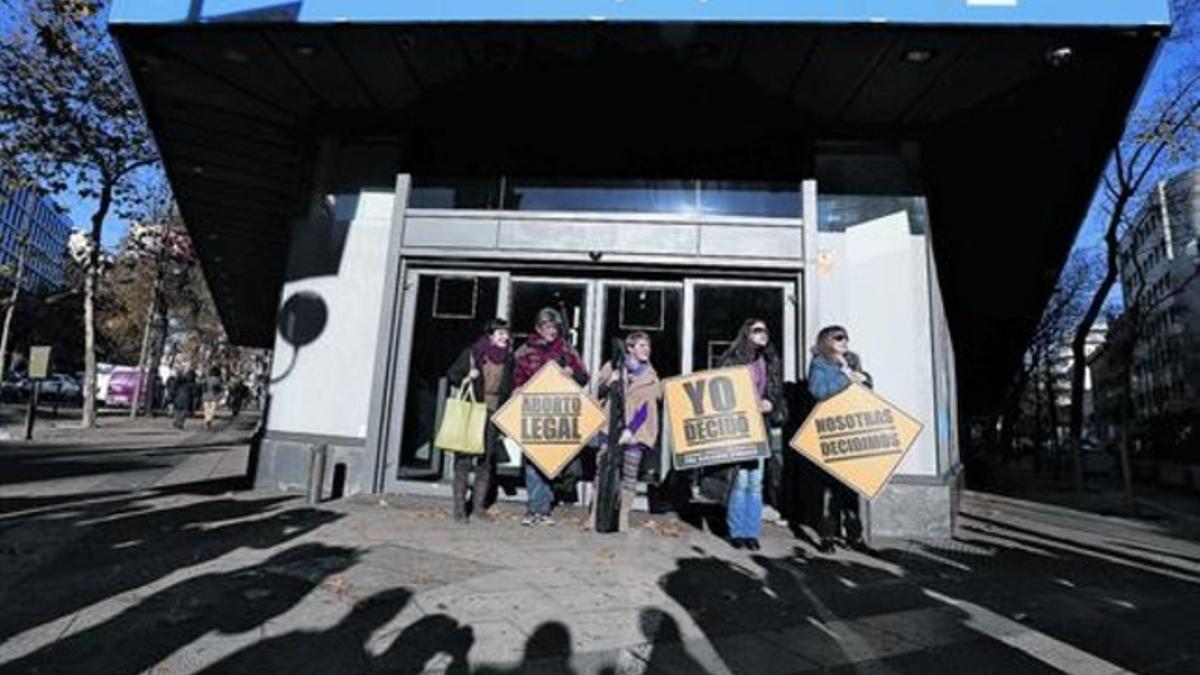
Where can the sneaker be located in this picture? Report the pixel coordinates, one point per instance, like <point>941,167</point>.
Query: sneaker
<point>545,520</point>
<point>529,520</point>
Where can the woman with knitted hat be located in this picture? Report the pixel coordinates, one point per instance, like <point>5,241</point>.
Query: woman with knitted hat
<point>546,345</point>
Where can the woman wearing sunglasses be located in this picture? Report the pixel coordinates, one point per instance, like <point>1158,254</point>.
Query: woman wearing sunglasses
<point>744,505</point>
<point>833,368</point>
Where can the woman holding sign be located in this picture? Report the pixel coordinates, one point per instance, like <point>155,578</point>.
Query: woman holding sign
<point>546,345</point>
<point>642,391</point>
<point>753,348</point>
<point>833,368</point>
<point>487,367</point>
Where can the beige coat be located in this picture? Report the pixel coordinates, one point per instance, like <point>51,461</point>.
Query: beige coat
<point>644,388</point>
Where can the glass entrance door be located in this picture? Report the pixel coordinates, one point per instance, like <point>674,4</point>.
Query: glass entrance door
<point>716,309</point>
<point>444,313</point>
<point>690,322</point>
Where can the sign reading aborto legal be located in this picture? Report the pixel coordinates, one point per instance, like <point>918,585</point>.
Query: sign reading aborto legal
<point>858,438</point>
<point>714,418</point>
<point>551,418</point>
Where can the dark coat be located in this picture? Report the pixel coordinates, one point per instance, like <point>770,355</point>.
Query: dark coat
<point>182,394</point>
<point>775,393</point>
<point>462,367</point>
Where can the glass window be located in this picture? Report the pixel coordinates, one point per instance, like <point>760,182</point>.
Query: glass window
<point>776,200</point>
<point>838,212</point>
<point>557,194</point>
<point>454,193</point>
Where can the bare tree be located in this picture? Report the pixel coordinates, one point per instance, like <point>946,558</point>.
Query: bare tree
<point>69,118</point>
<point>1159,135</point>
<point>1057,323</point>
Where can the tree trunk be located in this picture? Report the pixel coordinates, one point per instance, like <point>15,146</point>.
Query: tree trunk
<point>11,309</point>
<point>143,355</point>
<point>1084,329</point>
<point>91,277</point>
<point>1126,421</point>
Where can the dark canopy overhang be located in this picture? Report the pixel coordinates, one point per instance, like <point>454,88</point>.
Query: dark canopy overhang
<point>1012,141</point>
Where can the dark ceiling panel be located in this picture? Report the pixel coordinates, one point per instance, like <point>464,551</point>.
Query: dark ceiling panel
<point>374,56</point>
<point>188,84</point>
<point>244,58</point>
<point>900,79</point>
<point>435,58</point>
<point>838,69</point>
<point>318,62</point>
<point>772,59</point>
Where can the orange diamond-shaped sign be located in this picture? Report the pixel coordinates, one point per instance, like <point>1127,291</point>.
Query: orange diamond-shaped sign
<point>858,437</point>
<point>551,418</point>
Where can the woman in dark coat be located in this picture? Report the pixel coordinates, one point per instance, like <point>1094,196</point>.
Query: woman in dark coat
<point>753,348</point>
<point>834,368</point>
<point>487,365</point>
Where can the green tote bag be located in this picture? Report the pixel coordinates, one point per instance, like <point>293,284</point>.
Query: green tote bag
<point>463,423</point>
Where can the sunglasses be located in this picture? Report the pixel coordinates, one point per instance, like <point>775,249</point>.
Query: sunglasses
<point>839,338</point>
<point>758,330</point>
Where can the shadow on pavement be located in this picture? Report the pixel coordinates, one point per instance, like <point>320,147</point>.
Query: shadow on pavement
<point>233,603</point>
<point>115,546</point>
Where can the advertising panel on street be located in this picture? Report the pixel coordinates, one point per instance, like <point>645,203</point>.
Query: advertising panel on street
<point>714,418</point>
<point>551,418</point>
<point>39,362</point>
<point>858,438</point>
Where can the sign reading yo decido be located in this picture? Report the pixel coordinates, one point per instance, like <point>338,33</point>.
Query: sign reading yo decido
<point>714,418</point>
<point>858,438</point>
<point>551,418</point>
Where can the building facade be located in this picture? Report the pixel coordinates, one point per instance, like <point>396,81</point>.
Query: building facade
<point>34,223</point>
<point>368,184</point>
<point>1158,264</point>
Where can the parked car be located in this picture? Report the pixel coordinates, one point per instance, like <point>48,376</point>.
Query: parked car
<point>60,387</point>
<point>121,386</point>
<point>15,388</point>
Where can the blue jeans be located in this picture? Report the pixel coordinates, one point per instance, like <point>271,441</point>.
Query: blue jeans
<point>537,486</point>
<point>743,511</point>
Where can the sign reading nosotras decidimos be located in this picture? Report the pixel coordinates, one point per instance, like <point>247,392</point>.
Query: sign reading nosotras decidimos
<point>551,418</point>
<point>714,418</point>
<point>858,438</point>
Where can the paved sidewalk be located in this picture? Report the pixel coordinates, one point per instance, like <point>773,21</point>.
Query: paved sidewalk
<point>175,574</point>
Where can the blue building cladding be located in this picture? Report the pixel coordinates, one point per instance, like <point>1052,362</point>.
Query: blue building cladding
<point>24,213</point>
<point>950,12</point>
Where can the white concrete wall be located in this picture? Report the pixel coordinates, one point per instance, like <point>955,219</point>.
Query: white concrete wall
<point>874,280</point>
<point>945,381</point>
<point>328,389</point>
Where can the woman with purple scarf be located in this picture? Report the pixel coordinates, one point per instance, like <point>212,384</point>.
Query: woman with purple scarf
<point>744,505</point>
<point>643,391</point>
<point>486,366</point>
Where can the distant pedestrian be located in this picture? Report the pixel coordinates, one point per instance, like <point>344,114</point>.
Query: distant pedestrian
<point>213,388</point>
<point>834,368</point>
<point>546,345</point>
<point>181,398</point>
<point>487,367</point>
<point>237,396</point>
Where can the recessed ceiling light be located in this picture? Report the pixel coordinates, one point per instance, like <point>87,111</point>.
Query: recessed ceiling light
<point>1059,56</point>
<point>919,55</point>
<point>307,51</point>
<point>235,56</point>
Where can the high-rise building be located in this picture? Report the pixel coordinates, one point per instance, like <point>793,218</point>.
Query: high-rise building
<point>25,213</point>
<point>1158,267</point>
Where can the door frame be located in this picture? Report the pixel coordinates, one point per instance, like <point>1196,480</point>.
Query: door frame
<point>787,346</point>
<point>412,276</point>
